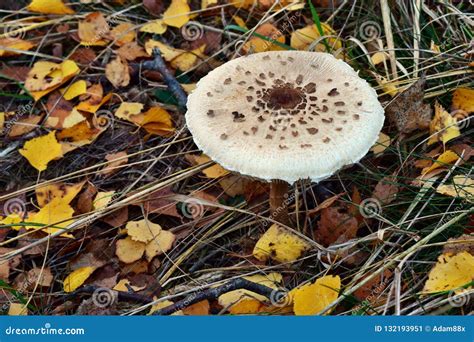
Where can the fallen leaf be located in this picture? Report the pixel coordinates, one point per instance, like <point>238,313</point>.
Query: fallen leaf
<point>383,142</point>
<point>125,286</point>
<point>17,309</point>
<point>446,158</point>
<point>337,224</point>
<point>462,187</point>
<point>74,118</point>
<point>163,304</point>
<point>74,90</point>
<point>301,39</point>
<point>155,7</point>
<point>35,276</point>
<point>77,278</point>
<point>387,85</point>
<point>14,43</point>
<point>177,14</point>
<point>215,171</point>
<point>156,120</point>
<point>93,30</point>
<point>463,243</point>
<point>407,111</point>
<point>128,250</point>
<point>143,230</point>
<point>61,191</point>
<point>117,73</point>
<point>178,58</point>
<point>131,51</point>
<point>155,27</point>
<point>49,7</point>
<point>463,99</point>
<point>103,199</point>
<point>450,272</point>
<point>25,125</point>
<point>201,308</point>
<point>310,299</point>
<point>386,190</point>
<point>160,244</point>
<point>57,214</point>
<point>280,245</point>
<point>123,33</point>
<point>115,160</point>
<point>127,110</point>
<point>443,127</point>
<point>40,151</point>
<point>243,301</point>
<point>257,44</point>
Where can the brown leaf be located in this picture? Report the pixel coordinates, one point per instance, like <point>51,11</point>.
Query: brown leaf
<point>86,199</point>
<point>25,125</point>
<point>28,280</point>
<point>83,55</point>
<point>7,265</point>
<point>118,218</point>
<point>336,225</point>
<point>58,109</point>
<point>386,190</point>
<point>131,51</point>
<point>372,290</point>
<point>114,161</point>
<point>198,309</point>
<point>463,243</point>
<point>117,73</point>
<point>160,203</point>
<point>17,73</point>
<point>155,7</point>
<point>407,111</point>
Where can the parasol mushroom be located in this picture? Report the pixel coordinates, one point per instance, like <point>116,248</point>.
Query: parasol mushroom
<point>282,116</point>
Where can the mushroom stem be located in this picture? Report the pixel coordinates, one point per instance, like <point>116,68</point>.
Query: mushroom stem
<point>278,201</point>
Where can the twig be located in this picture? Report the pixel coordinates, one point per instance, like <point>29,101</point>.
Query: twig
<point>159,64</point>
<point>214,293</point>
<point>121,295</point>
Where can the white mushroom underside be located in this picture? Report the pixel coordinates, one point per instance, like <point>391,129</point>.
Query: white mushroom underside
<point>331,119</point>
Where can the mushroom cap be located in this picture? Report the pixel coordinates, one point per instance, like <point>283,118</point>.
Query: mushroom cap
<point>285,115</point>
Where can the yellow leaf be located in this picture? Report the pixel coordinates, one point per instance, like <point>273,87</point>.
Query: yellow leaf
<point>187,87</point>
<point>177,14</point>
<point>160,244</point>
<point>128,250</point>
<point>57,214</point>
<point>49,7</point>
<point>198,309</point>
<point>93,30</point>
<point>447,157</point>
<point>157,120</point>
<point>206,3</point>
<point>17,309</point>
<point>450,272</point>
<point>280,245</point>
<point>388,87</point>
<point>74,90</point>
<point>383,142</point>
<point>61,191</point>
<point>215,171</point>
<point>303,38</point>
<point>102,199</point>
<point>124,285</point>
<point>77,278</point>
<point>379,57</point>
<point>123,33</point>
<point>312,298</point>
<point>443,127</point>
<point>462,186</point>
<point>40,151</point>
<point>239,21</point>
<point>2,120</point>
<point>14,43</point>
<point>178,58</point>
<point>73,119</point>
<point>127,109</point>
<point>155,26</point>
<point>86,106</point>
<point>463,99</point>
<point>117,72</point>
<point>143,230</point>
<point>257,44</point>
<point>12,219</point>
<point>248,302</point>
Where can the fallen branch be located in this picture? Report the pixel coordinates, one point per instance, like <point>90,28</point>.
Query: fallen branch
<point>214,293</point>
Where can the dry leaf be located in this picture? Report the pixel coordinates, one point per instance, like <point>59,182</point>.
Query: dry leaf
<point>201,308</point>
<point>312,298</point>
<point>156,120</point>
<point>40,151</point>
<point>463,187</point>
<point>383,142</point>
<point>160,244</point>
<point>24,126</point>
<point>57,214</point>
<point>443,127</point>
<point>74,90</point>
<point>301,39</point>
<point>143,230</point>
<point>127,110</point>
<point>386,190</point>
<point>77,278</point>
<point>463,99</point>
<point>215,171</point>
<point>407,111</point>
<point>337,224</point>
<point>446,158</point>
<point>155,27</point>
<point>17,309</point>
<point>450,272</point>
<point>14,43</point>
<point>103,199</point>
<point>93,30</point>
<point>177,14</point>
<point>178,58</point>
<point>123,34</point>
<point>131,51</point>
<point>257,44</point>
<point>128,250</point>
<point>117,73</point>
<point>49,7</point>
<point>115,160</point>
<point>61,191</point>
<point>280,245</point>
